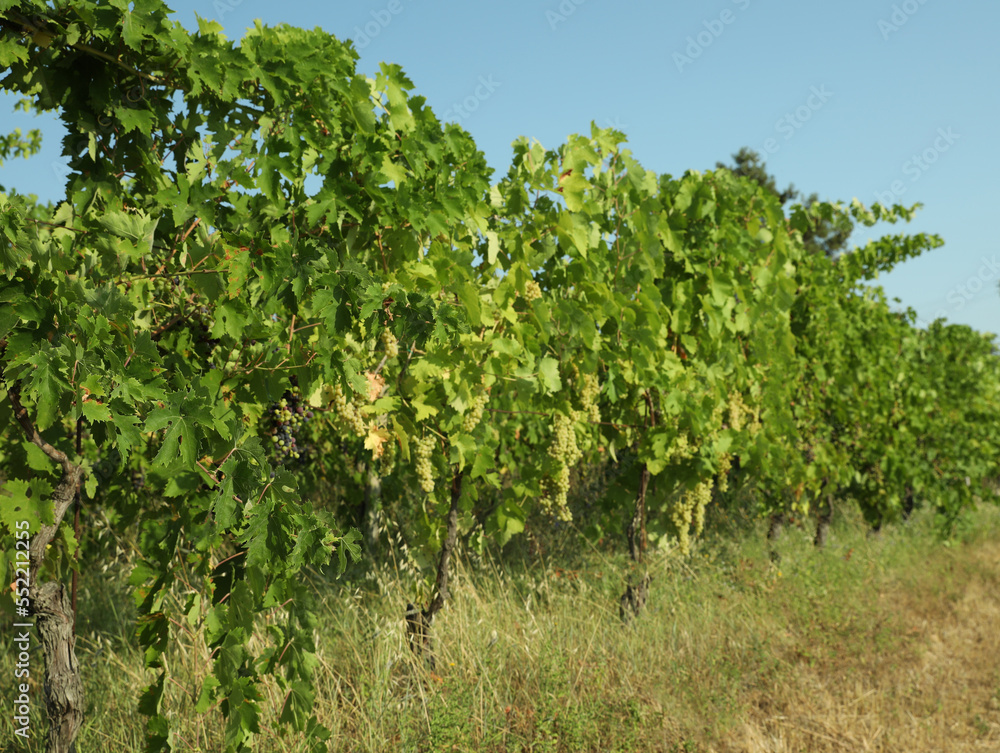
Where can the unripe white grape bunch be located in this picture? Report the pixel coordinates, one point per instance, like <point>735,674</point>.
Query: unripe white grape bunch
<point>737,411</point>
<point>725,465</point>
<point>388,456</point>
<point>741,415</point>
<point>682,449</point>
<point>564,451</point>
<point>475,413</point>
<point>390,343</point>
<point>590,392</point>
<point>688,513</point>
<point>422,463</point>
<point>348,413</point>
<point>702,497</point>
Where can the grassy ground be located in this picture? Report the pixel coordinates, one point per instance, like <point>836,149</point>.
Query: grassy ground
<point>884,643</point>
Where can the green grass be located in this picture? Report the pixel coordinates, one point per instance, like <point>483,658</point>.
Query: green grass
<point>533,657</point>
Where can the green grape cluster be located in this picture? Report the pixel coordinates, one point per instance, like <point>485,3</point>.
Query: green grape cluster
<point>688,514</point>
<point>564,451</point>
<point>682,449</point>
<point>718,413</point>
<point>590,391</point>
<point>878,477</point>
<point>390,343</point>
<point>741,416</point>
<point>532,291</point>
<point>475,414</point>
<point>424,468</point>
<point>725,465</point>
<point>387,458</point>
<point>737,411</point>
<point>702,494</point>
<point>348,412</point>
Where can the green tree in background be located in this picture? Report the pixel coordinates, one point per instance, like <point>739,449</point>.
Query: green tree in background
<point>828,234</point>
<point>748,164</point>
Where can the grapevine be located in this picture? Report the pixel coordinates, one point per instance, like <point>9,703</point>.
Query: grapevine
<point>159,313</point>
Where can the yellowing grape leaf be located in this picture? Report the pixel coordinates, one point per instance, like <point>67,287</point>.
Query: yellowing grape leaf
<point>375,384</point>
<point>375,440</point>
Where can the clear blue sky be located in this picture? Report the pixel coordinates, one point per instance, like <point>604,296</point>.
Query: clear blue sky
<point>873,99</point>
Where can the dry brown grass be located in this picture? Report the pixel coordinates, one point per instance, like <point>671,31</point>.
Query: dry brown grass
<point>936,690</point>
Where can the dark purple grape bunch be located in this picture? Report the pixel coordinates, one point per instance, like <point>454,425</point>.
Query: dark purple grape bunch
<point>201,335</point>
<point>287,417</point>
